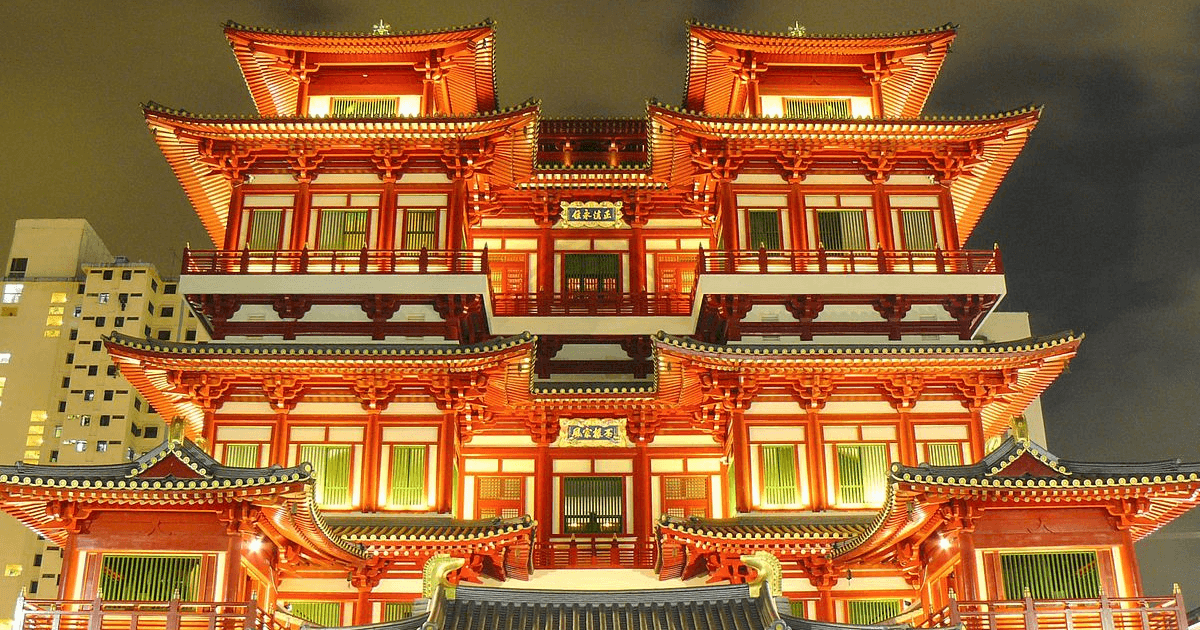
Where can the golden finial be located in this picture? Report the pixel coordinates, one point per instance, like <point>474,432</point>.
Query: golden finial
<point>797,30</point>
<point>381,28</point>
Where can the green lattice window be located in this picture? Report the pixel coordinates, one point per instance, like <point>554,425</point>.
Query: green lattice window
<point>420,229</point>
<point>871,611</point>
<point>395,611</point>
<point>780,482</point>
<point>241,455</point>
<point>406,485</point>
<point>328,614</point>
<point>945,453</point>
<point>153,578</point>
<point>842,229</point>
<point>862,473</point>
<point>331,467</point>
<point>1051,575</point>
<point>816,108</point>
<point>918,230</point>
<point>343,229</point>
<point>265,229</point>
<point>764,229</point>
<point>359,107</point>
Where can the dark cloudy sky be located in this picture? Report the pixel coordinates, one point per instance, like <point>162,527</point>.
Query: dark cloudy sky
<point>1098,222</point>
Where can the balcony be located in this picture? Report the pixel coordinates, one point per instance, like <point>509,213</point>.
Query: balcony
<point>62,614</point>
<point>1104,613</point>
<point>593,553</point>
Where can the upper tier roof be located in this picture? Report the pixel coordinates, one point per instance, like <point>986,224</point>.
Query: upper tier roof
<point>907,63</point>
<point>272,61</point>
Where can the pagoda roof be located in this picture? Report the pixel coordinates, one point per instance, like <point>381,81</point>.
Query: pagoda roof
<point>912,59</point>
<point>151,364</point>
<point>193,144</point>
<point>177,475</point>
<point>401,536</point>
<point>783,534</point>
<point>988,144</point>
<point>269,60</point>
<point>1021,472</point>
<point>1034,364</point>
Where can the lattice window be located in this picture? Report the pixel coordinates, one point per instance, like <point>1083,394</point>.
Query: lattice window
<point>1051,575</point>
<point>500,497</point>
<point>241,455</point>
<point>592,273</point>
<point>944,453</point>
<point>395,611</point>
<point>343,229</point>
<point>862,473</point>
<point>871,611</point>
<point>676,273</point>
<point>508,273</point>
<point>359,107</point>
<point>151,578</point>
<point>685,497</point>
<point>917,230</point>
<point>420,229</point>
<point>764,230</point>
<point>780,482</point>
<point>593,505</point>
<point>842,229</point>
<point>816,108</point>
<point>327,614</point>
<point>265,229</point>
<point>406,485</point>
<point>331,467</point>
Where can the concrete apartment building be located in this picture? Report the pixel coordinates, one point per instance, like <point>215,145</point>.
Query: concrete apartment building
<point>61,398</point>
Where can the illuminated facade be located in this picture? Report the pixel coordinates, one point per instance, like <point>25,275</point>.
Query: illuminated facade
<point>740,340</point>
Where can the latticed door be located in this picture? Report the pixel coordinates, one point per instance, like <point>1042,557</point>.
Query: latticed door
<point>406,484</point>
<point>862,473</point>
<point>591,273</point>
<point>327,614</point>
<point>265,229</point>
<point>331,467</point>
<point>816,108</point>
<point>764,232</point>
<point>420,228</point>
<point>686,496</point>
<point>842,229</point>
<point>917,230</point>
<point>871,611</point>
<point>241,455</point>
<point>676,273</point>
<point>150,578</point>
<point>508,273</point>
<point>780,482</point>
<point>500,497</point>
<point>593,505</point>
<point>1051,575</point>
<point>343,229</point>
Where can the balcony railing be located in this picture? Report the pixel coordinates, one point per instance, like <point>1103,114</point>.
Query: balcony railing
<point>63,614</point>
<point>571,304</point>
<point>861,261</point>
<point>593,553</point>
<point>1104,613</point>
<point>333,261</point>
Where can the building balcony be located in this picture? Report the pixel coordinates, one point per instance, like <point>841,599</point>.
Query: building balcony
<point>39,614</point>
<point>1104,613</point>
<point>593,553</point>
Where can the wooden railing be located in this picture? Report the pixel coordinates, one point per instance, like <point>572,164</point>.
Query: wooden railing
<point>593,553</point>
<point>863,261</point>
<point>246,261</point>
<point>569,304</point>
<point>1104,613</point>
<point>97,614</point>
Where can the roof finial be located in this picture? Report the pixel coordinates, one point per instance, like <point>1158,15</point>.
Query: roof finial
<point>382,28</point>
<point>797,29</point>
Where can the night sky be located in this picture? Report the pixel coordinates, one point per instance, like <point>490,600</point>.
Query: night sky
<point>1098,221</point>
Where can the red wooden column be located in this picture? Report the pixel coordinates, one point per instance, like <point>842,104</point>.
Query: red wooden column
<point>740,447</point>
<point>545,217</point>
<point>798,222</point>
<point>968,568</point>
<point>814,442</point>
<point>637,249</point>
<point>883,218</point>
<point>233,220</point>
<point>643,511</point>
<point>231,590</point>
<point>727,211</point>
<point>373,476</point>
<point>447,454</point>
<point>949,223</point>
<point>386,238</point>
<point>543,492</point>
<point>300,210</point>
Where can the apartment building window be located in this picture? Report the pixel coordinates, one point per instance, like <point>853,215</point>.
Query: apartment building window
<point>868,612</point>
<point>593,505</point>
<point>118,322</point>
<point>167,311</point>
<point>331,467</point>
<point>74,334</point>
<point>591,273</point>
<point>96,345</point>
<point>500,497</point>
<point>164,335</point>
<point>170,288</point>
<point>105,420</point>
<point>5,357</point>
<point>1051,575</point>
<point>102,298</point>
<point>62,406</point>
<point>126,275</point>
<point>110,370</point>
<point>12,293</point>
<point>70,358</point>
<point>108,394</point>
<point>241,455</point>
<point>137,403</point>
<point>190,334</point>
<point>66,382</point>
<point>685,497</point>
<point>93,370</point>
<point>17,267</point>
<point>85,420</point>
<point>861,473</point>
<point>156,578</point>
<point>150,433</point>
<point>781,486</point>
<point>89,394</point>
<point>100,322</point>
<point>107,274</point>
<point>101,446</point>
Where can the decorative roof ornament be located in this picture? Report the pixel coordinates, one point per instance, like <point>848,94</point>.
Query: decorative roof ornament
<point>797,29</point>
<point>381,28</point>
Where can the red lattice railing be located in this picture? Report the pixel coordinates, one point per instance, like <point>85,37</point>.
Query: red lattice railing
<point>862,261</point>
<point>593,553</point>
<point>1104,613</point>
<point>306,261</point>
<point>97,614</point>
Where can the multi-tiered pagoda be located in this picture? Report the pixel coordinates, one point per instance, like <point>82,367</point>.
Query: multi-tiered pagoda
<point>741,340</point>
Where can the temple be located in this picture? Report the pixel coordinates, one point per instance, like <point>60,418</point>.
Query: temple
<point>469,365</point>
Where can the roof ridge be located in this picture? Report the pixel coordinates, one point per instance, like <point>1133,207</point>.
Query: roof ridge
<point>947,27</point>
<point>229,25</point>
<point>1001,115</point>
<point>156,107</point>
